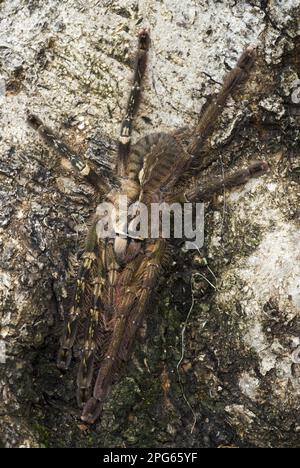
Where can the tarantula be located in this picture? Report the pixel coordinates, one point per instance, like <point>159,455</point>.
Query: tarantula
<point>117,275</point>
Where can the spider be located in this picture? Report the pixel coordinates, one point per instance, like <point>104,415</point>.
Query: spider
<point>117,275</point>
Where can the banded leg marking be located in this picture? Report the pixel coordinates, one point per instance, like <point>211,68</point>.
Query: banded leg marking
<point>133,102</point>
<point>54,142</point>
<point>67,341</point>
<point>86,368</point>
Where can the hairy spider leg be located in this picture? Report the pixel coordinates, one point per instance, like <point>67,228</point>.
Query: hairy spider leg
<point>112,267</point>
<point>54,142</point>
<point>210,116</point>
<point>205,192</point>
<point>101,320</point>
<point>133,102</point>
<point>146,276</point>
<point>94,331</point>
<point>129,312</point>
<point>101,317</point>
<point>93,407</point>
<point>89,259</point>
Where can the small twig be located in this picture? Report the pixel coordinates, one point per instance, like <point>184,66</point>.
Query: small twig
<point>210,270</point>
<point>183,331</point>
<point>207,280</point>
<point>182,356</point>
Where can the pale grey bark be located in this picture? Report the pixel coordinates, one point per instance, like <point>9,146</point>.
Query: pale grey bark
<point>69,62</point>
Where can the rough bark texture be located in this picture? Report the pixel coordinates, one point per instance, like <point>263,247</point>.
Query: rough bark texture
<point>69,62</point>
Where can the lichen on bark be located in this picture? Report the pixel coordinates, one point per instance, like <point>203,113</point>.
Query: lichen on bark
<point>239,379</point>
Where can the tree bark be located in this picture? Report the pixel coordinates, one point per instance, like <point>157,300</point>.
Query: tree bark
<point>218,360</point>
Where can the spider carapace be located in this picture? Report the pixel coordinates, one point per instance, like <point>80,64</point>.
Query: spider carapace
<point>117,275</point>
